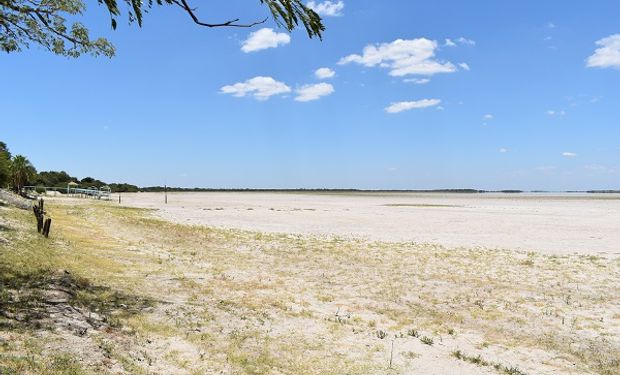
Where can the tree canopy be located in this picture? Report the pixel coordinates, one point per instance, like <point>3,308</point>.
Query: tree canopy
<point>44,22</point>
<point>22,171</point>
<point>5,162</point>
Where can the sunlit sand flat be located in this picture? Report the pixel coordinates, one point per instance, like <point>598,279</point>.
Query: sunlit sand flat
<point>546,223</point>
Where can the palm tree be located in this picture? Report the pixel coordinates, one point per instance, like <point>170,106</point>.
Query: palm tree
<point>5,160</point>
<point>22,171</point>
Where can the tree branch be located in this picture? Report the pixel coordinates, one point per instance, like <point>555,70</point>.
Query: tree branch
<point>183,4</point>
<point>60,34</point>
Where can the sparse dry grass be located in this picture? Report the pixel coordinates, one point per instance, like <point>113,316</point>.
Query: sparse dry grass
<point>256,303</point>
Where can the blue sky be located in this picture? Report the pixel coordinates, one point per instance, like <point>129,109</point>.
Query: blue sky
<point>484,94</point>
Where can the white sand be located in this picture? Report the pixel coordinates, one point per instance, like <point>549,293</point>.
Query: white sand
<point>548,223</point>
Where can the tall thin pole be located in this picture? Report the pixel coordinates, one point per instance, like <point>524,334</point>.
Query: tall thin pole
<point>165,194</point>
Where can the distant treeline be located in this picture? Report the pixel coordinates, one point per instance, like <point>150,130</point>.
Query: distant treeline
<point>60,180</point>
<point>152,189</point>
<point>460,191</point>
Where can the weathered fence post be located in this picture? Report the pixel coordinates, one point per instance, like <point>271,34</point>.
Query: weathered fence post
<point>46,227</point>
<point>43,225</point>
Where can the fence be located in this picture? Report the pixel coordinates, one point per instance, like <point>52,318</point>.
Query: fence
<point>92,192</point>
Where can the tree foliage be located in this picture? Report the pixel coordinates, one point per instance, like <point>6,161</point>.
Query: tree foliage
<point>44,22</point>
<point>53,179</point>
<point>5,160</point>
<point>22,171</point>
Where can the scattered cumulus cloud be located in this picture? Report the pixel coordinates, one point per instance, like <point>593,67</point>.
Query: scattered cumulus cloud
<point>465,41</point>
<point>417,81</point>
<point>263,39</point>
<point>569,154</point>
<point>554,113</point>
<point>608,53</point>
<point>262,88</point>
<point>551,25</point>
<point>464,66</point>
<point>402,57</point>
<point>488,117</point>
<point>503,150</point>
<point>309,93</point>
<point>416,104</point>
<point>324,73</point>
<point>462,41</point>
<point>327,8</point>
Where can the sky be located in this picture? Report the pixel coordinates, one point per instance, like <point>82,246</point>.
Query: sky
<point>398,95</point>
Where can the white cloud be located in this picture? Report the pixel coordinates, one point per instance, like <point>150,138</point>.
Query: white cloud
<point>464,66</point>
<point>406,106</point>
<point>263,39</point>
<point>260,87</point>
<point>608,55</point>
<point>327,8</point>
<point>462,40</point>
<point>569,154</point>
<point>417,81</point>
<point>324,73</point>
<point>503,150</point>
<point>551,25</point>
<point>553,113</point>
<point>469,42</point>
<point>313,92</point>
<point>488,117</point>
<point>403,57</point>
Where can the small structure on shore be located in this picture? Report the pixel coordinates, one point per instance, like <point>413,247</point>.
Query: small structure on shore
<point>73,190</point>
<point>71,185</point>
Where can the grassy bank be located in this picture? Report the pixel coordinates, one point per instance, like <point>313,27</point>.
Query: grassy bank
<point>117,290</point>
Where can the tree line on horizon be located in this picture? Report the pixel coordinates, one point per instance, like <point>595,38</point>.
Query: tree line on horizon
<point>16,172</point>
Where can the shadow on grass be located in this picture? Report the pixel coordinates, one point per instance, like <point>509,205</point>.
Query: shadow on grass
<point>60,300</point>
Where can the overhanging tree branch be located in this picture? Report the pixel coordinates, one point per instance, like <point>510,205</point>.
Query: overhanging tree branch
<point>44,22</point>
<point>231,23</point>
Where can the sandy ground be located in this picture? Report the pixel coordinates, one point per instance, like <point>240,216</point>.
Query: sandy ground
<point>548,223</point>
<point>117,290</point>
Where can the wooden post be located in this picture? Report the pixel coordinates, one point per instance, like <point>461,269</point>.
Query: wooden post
<point>392,354</point>
<point>165,194</point>
<point>119,198</point>
<point>46,227</point>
